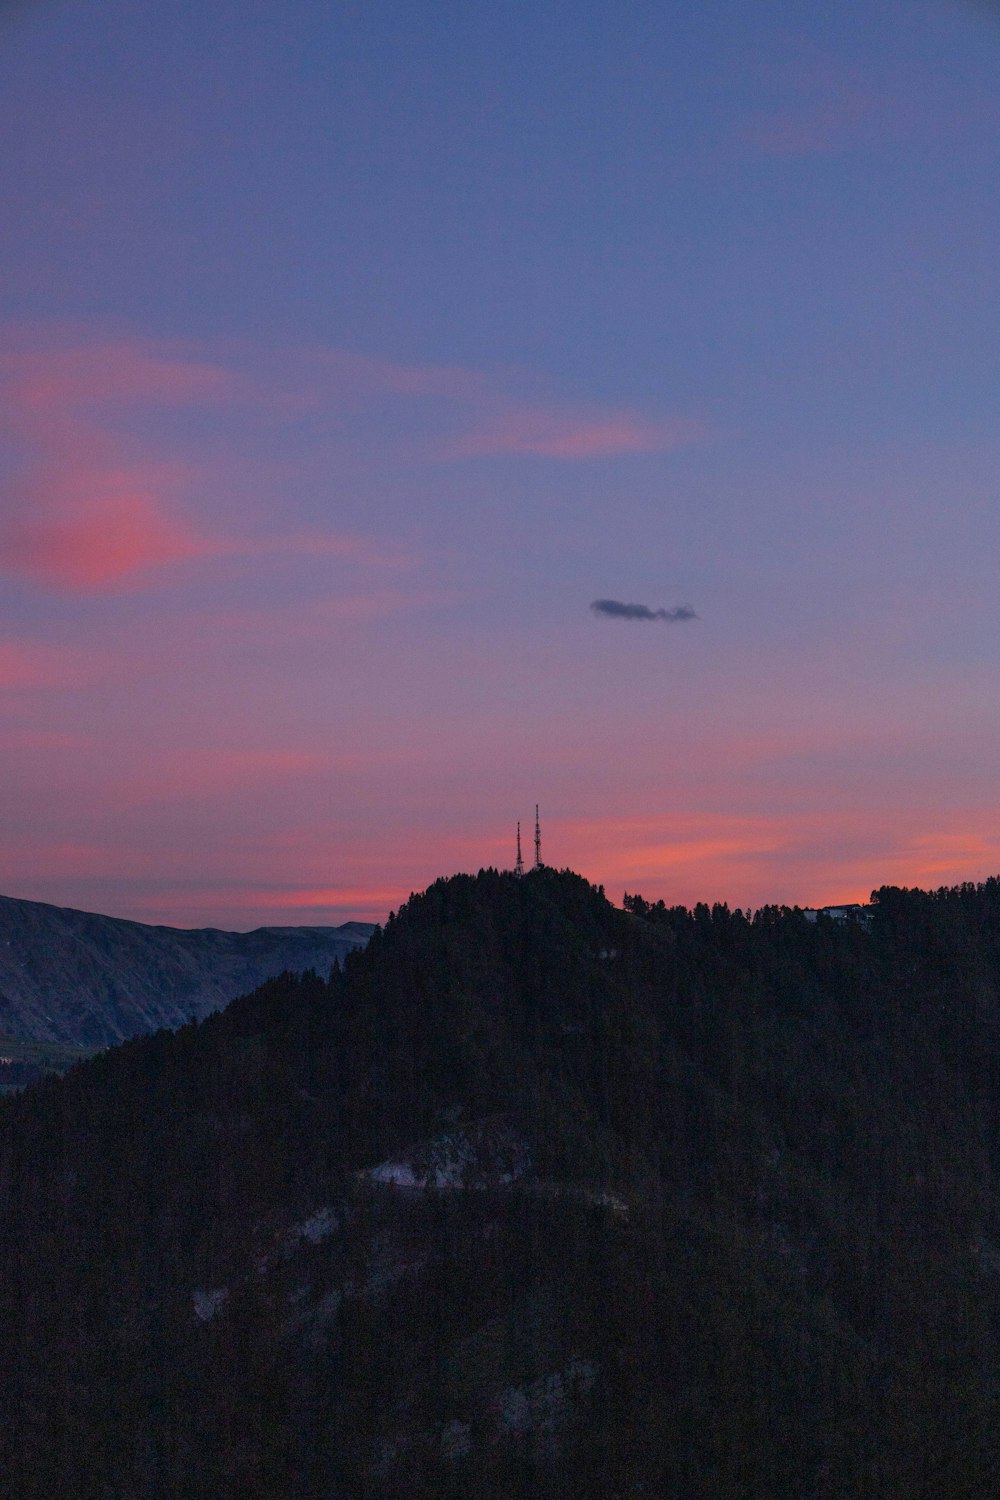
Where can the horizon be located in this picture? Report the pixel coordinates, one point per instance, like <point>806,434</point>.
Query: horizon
<point>405,411</point>
<point>380,920</point>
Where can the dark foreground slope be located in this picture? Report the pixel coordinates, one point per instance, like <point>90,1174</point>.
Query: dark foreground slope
<point>538,1199</point>
<point>77,977</point>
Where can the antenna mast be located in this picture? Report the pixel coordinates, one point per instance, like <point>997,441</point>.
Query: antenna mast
<point>538,840</point>
<point>519,867</point>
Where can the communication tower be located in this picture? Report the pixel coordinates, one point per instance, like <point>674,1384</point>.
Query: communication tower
<point>538,840</point>
<point>519,867</point>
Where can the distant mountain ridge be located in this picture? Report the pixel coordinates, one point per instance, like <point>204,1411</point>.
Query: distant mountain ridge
<point>79,977</point>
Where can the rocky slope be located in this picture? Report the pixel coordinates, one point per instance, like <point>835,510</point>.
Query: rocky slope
<point>77,977</point>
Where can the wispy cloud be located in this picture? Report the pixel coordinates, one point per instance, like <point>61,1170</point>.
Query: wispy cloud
<point>101,495</point>
<point>816,128</point>
<point>45,739</point>
<point>491,414</point>
<point>26,664</point>
<point>336,897</point>
<point>109,530</point>
<point>805,858</point>
<point>816,106</point>
<point>85,513</point>
<point>314,544</point>
<point>51,381</point>
<point>239,905</point>
<point>568,435</point>
<point>197,775</point>
<point>114,530</point>
<point>614,609</point>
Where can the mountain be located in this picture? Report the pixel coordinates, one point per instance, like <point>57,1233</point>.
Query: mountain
<point>536,1197</point>
<point>75,977</point>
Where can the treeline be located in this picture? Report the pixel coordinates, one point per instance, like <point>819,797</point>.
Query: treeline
<point>757,1252</point>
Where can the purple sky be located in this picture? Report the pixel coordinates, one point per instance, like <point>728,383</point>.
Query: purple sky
<point>349,352</point>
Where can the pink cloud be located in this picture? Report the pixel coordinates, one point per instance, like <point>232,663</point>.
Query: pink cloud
<point>302,620</point>
<point>818,107</point>
<point>57,381</point>
<point>92,510</point>
<point>83,515</point>
<point>62,859</point>
<point>120,532</point>
<point>347,373</point>
<point>325,873</point>
<point>792,857</point>
<point>31,665</point>
<point>22,666</point>
<point>43,739</point>
<point>380,897</point>
<point>495,420</point>
<point>215,773</point>
<point>822,105</point>
<point>242,906</point>
<point>89,544</point>
<point>571,436</point>
<point>821,127</point>
<point>317,544</point>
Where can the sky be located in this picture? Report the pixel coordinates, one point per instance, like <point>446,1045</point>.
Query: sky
<point>350,353</point>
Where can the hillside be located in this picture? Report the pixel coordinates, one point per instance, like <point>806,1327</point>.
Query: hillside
<point>535,1198</point>
<point>79,978</point>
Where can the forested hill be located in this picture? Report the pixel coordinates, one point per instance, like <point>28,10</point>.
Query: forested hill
<point>535,1198</point>
<point>78,977</point>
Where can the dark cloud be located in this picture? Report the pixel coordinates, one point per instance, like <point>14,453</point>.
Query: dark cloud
<point>616,610</point>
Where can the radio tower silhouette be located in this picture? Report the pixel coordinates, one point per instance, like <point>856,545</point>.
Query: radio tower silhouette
<point>538,840</point>
<point>519,867</point>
